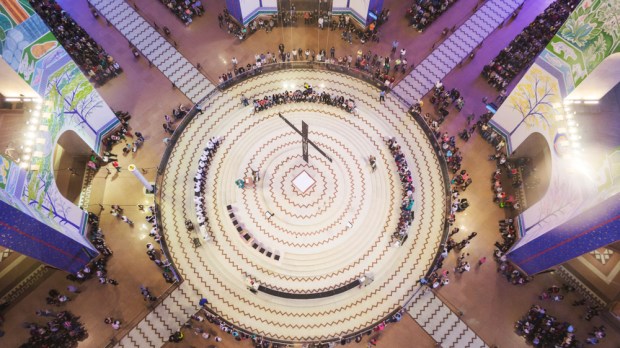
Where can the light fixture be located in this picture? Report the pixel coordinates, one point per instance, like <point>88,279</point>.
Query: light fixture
<point>590,101</point>
<point>24,165</point>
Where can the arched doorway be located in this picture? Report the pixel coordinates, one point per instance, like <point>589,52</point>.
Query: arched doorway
<point>69,163</point>
<point>534,156</point>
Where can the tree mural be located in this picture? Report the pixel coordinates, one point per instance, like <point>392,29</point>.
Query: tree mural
<point>533,100</point>
<point>46,200</point>
<point>73,93</point>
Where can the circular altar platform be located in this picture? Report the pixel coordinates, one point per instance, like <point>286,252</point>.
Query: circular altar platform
<point>306,232</point>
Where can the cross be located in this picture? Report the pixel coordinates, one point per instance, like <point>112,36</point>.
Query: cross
<point>304,139</point>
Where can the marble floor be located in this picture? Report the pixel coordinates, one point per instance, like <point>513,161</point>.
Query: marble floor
<point>325,237</point>
<point>485,302</point>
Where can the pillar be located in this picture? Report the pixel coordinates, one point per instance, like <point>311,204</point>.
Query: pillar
<point>364,12</point>
<point>590,230</point>
<point>132,168</point>
<point>244,11</point>
<point>23,233</point>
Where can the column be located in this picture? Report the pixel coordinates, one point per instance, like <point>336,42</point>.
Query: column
<point>364,12</point>
<point>25,234</point>
<point>244,11</point>
<point>590,230</point>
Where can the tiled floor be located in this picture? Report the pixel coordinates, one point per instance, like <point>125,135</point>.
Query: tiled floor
<point>488,304</point>
<point>318,251</point>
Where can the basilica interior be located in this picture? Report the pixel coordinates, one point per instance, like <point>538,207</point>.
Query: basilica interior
<point>302,173</point>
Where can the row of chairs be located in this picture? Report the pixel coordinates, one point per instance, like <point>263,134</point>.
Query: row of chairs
<point>249,238</point>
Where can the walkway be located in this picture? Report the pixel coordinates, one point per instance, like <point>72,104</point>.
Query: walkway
<point>155,48</point>
<point>456,48</point>
<point>441,323</point>
<point>165,319</point>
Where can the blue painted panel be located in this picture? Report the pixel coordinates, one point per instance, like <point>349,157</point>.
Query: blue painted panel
<point>595,228</point>
<point>376,6</point>
<point>26,235</point>
<point>234,8</point>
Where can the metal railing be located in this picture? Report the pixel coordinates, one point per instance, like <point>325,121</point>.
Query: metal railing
<point>305,64</point>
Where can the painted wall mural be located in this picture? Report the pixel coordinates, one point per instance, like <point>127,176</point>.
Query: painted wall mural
<point>580,176</point>
<point>591,33</point>
<point>70,102</point>
<point>33,212</point>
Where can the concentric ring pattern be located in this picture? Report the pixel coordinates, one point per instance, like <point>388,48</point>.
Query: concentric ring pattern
<point>328,229</point>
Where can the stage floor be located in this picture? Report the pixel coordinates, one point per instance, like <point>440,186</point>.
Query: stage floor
<point>329,222</point>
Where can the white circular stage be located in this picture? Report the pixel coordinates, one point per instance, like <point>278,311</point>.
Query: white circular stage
<point>306,232</point>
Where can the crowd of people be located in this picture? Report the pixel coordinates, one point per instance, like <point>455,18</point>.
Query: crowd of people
<point>383,69</point>
<point>319,18</point>
<point>186,10</point>
<point>63,330</point>
<point>92,59</point>
<point>508,233</point>
<point>199,179</point>
<point>194,325</point>
<point>407,202</point>
<point>522,51</point>
<point>120,134</point>
<point>544,330</point>
<point>308,94</point>
<point>424,12</point>
<point>157,255</point>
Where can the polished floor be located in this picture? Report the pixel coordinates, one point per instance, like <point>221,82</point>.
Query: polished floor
<point>304,240</point>
<point>485,301</point>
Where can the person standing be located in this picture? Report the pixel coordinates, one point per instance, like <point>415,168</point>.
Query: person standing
<point>116,166</point>
<point>373,162</point>
<point>395,44</point>
<point>382,95</point>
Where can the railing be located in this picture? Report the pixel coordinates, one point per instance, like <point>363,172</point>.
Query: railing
<point>335,339</point>
<point>301,64</point>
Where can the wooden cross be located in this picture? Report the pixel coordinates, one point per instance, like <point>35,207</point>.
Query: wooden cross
<point>304,139</point>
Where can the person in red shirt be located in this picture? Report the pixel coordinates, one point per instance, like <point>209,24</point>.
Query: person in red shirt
<point>116,166</point>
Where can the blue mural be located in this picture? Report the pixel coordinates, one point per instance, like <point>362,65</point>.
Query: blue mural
<point>588,231</point>
<point>22,233</point>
